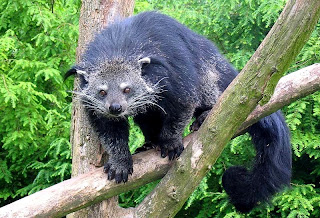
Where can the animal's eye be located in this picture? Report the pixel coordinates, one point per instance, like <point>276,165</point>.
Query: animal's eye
<point>102,93</point>
<point>127,90</point>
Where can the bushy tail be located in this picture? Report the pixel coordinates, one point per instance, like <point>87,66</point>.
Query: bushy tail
<point>272,168</point>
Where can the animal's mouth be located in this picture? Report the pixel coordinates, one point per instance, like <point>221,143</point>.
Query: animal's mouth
<point>116,116</point>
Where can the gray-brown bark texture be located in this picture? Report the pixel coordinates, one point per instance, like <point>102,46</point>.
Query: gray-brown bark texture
<point>86,149</point>
<point>290,88</point>
<point>89,188</point>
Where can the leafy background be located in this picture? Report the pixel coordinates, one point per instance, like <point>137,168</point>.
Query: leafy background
<point>38,40</point>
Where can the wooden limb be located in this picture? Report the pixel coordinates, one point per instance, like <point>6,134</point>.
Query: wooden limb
<point>92,187</point>
<point>86,189</point>
<point>290,88</point>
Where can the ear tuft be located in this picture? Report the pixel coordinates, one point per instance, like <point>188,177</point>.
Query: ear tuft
<point>144,61</point>
<point>83,73</point>
<point>74,71</point>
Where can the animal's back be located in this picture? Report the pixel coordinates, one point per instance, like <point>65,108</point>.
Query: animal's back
<point>190,56</point>
<point>193,57</point>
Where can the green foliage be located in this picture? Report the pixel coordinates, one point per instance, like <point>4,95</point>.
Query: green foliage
<point>300,201</point>
<point>136,138</point>
<point>133,198</point>
<point>37,42</point>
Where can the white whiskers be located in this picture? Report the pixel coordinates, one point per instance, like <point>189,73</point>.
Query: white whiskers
<point>136,104</point>
<point>141,102</point>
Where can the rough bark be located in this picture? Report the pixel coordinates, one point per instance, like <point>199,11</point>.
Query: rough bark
<point>290,88</point>
<point>92,187</point>
<point>255,84</point>
<point>86,150</point>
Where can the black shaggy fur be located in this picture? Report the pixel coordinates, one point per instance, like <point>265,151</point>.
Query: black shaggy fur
<point>155,69</point>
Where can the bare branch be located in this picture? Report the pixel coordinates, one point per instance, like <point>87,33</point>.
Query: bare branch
<point>290,88</point>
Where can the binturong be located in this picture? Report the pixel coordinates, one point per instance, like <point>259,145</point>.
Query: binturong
<point>162,74</point>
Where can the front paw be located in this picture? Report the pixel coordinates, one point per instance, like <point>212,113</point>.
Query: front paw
<point>171,148</point>
<point>118,170</point>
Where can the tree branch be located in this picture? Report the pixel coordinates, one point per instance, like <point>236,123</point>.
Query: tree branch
<point>290,88</point>
<point>92,187</point>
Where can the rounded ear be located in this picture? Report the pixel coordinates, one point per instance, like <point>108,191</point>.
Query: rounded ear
<point>83,73</point>
<point>74,71</point>
<point>144,61</point>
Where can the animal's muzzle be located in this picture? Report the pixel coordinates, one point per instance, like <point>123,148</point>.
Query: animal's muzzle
<point>115,108</point>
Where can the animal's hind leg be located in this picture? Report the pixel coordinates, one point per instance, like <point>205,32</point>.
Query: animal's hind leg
<point>170,139</point>
<point>199,120</point>
<point>150,125</point>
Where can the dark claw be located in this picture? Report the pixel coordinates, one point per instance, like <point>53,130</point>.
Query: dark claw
<point>106,168</point>
<point>118,177</point>
<point>130,171</point>
<point>172,149</point>
<point>178,151</point>
<point>117,172</point>
<point>111,174</point>
<point>124,177</point>
<point>163,152</point>
<point>171,155</point>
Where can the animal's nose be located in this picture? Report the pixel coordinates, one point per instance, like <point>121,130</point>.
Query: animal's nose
<point>115,108</point>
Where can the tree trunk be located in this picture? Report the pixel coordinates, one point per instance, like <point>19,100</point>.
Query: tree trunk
<point>86,149</point>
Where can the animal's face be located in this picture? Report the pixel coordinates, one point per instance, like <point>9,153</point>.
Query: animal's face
<point>116,89</point>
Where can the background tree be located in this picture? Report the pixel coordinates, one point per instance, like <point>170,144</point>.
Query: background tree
<point>34,133</point>
<point>37,43</point>
<point>95,15</point>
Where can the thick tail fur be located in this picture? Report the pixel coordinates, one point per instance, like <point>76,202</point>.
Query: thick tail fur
<point>272,168</point>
